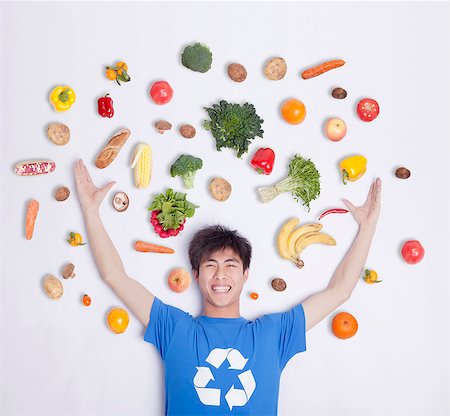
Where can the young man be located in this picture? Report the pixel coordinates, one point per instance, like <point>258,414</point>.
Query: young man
<point>220,363</point>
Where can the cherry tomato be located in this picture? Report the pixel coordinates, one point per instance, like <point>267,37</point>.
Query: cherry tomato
<point>413,252</point>
<point>111,74</point>
<point>368,109</point>
<point>161,92</point>
<point>293,111</point>
<point>254,295</point>
<point>86,300</point>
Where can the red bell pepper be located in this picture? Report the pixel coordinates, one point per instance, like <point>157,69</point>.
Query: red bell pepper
<point>263,160</point>
<point>105,106</point>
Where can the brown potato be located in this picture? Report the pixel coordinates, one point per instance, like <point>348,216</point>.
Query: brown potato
<point>237,72</point>
<point>275,69</point>
<point>53,287</point>
<point>62,193</point>
<point>220,189</point>
<point>58,133</point>
<point>279,284</point>
<point>187,131</point>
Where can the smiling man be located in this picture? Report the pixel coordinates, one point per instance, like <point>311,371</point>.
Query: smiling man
<point>221,363</point>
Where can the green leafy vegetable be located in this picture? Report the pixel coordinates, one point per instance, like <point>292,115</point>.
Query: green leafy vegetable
<point>303,182</point>
<point>233,125</point>
<point>197,57</point>
<point>186,166</point>
<point>174,208</point>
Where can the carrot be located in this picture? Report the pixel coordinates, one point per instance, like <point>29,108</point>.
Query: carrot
<point>144,247</point>
<point>32,211</point>
<point>320,69</point>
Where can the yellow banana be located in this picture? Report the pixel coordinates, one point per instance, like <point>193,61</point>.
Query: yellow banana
<point>283,235</point>
<point>142,165</point>
<point>298,233</point>
<point>314,238</point>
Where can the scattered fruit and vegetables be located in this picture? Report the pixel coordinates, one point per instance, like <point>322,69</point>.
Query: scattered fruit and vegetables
<point>67,271</point>
<point>263,160</point>
<point>322,68</point>
<point>142,163</point>
<point>179,280</point>
<point>339,93</point>
<point>233,125</point>
<point>333,211</point>
<point>220,189</point>
<point>352,168</point>
<point>162,126</point>
<point>186,166</point>
<point>62,98</point>
<point>187,131</point>
<point>402,173</point>
<point>254,295</point>
<point>368,109</point>
<point>75,239</point>
<point>86,300</point>
<point>34,167</point>
<point>118,320</point>
<point>53,287</point>
<point>169,212</point>
<point>62,193</point>
<point>371,276</point>
<point>413,252</point>
<point>118,72</point>
<point>120,201</point>
<point>293,111</point>
<point>344,325</point>
<point>335,129</point>
<point>291,241</point>
<point>58,133</point>
<point>145,247</point>
<point>275,69</point>
<point>105,106</point>
<point>303,182</point>
<point>197,57</point>
<point>279,284</point>
<point>161,92</point>
<point>32,211</point>
<point>237,72</point>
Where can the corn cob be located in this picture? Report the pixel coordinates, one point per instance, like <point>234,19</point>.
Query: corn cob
<point>142,165</point>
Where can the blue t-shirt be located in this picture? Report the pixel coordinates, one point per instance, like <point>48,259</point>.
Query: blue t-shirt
<point>223,366</point>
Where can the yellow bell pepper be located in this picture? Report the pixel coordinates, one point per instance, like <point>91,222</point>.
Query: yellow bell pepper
<point>371,276</point>
<point>353,168</point>
<point>62,98</point>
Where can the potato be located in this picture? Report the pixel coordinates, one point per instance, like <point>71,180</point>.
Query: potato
<point>187,131</point>
<point>220,189</point>
<point>275,69</point>
<point>62,193</point>
<point>53,287</point>
<point>237,72</point>
<point>58,133</point>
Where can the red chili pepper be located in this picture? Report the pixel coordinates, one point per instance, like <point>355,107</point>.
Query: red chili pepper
<point>105,106</point>
<point>334,211</point>
<point>263,160</point>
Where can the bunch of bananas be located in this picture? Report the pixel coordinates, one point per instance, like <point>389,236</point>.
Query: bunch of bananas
<point>292,241</point>
<point>141,162</point>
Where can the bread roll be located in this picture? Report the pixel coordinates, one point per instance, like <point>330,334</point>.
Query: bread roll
<point>112,149</point>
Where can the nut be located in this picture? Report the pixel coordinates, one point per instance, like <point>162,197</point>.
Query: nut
<point>187,131</point>
<point>279,284</point>
<point>67,272</point>
<point>53,287</point>
<point>62,193</point>
<point>402,173</point>
<point>120,201</point>
<point>237,72</point>
<point>162,126</point>
<point>339,93</point>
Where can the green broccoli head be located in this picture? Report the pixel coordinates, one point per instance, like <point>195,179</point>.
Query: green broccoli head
<point>186,166</point>
<point>197,57</point>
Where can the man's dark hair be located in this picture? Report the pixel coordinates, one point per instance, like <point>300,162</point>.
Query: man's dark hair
<point>215,238</point>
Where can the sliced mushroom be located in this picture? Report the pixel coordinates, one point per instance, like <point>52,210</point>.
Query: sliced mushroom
<point>120,201</point>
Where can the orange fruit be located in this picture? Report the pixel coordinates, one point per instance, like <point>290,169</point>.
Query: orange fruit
<point>121,65</point>
<point>111,74</point>
<point>344,325</point>
<point>118,320</point>
<point>293,111</point>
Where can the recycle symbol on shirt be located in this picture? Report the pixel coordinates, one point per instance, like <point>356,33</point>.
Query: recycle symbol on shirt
<point>234,397</point>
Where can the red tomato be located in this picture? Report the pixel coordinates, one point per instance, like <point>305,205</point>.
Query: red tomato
<point>161,92</point>
<point>413,252</point>
<point>368,109</point>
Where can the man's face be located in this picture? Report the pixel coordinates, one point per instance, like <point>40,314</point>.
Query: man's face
<point>221,278</point>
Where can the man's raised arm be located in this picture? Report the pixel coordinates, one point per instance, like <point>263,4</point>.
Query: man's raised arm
<point>135,296</point>
<point>347,274</point>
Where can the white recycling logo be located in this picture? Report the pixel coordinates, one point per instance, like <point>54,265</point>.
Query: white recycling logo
<point>234,397</point>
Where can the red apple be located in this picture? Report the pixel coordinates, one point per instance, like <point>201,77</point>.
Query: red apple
<point>179,280</point>
<point>335,129</point>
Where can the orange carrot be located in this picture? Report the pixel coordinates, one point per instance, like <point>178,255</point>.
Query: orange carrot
<point>144,247</point>
<point>320,69</point>
<point>32,211</point>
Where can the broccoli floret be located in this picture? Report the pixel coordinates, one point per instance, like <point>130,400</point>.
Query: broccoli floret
<point>197,57</point>
<point>186,166</point>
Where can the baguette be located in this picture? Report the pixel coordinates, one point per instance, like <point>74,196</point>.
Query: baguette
<point>112,148</point>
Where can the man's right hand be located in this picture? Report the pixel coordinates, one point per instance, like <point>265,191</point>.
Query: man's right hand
<point>88,194</point>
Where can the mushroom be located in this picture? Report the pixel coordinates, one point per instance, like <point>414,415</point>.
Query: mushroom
<point>120,201</point>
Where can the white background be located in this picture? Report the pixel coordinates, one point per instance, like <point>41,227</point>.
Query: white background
<point>59,358</point>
